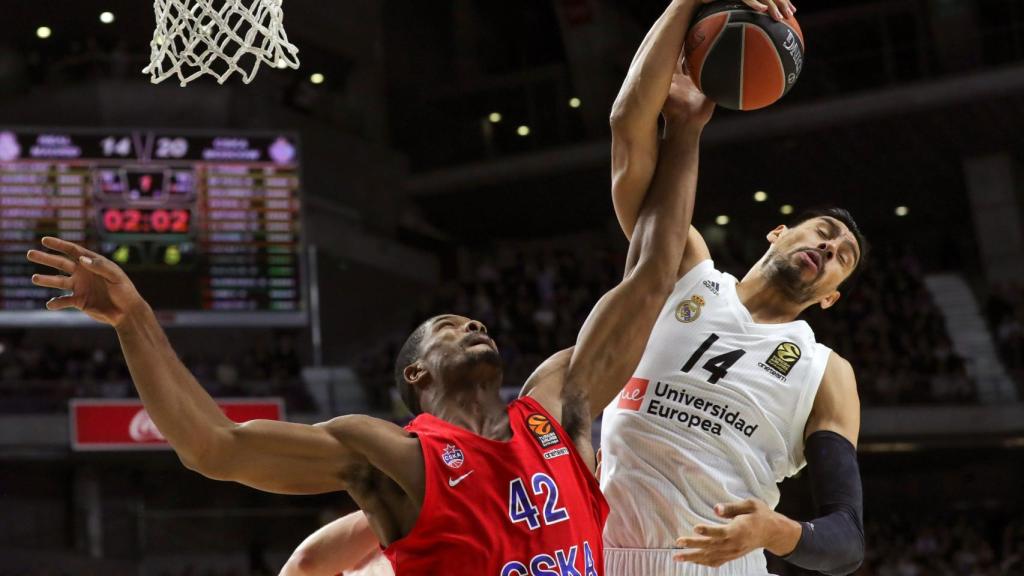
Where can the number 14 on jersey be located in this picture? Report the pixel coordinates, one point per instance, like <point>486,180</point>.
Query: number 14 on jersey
<point>719,365</point>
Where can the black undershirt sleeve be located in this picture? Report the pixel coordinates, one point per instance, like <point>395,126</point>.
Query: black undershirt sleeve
<point>832,543</point>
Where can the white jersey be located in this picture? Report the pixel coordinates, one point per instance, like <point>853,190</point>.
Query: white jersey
<point>715,413</point>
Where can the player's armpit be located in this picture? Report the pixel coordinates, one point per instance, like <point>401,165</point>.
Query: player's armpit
<point>545,384</point>
<point>613,339</point>
<point>289,458</point>
<point>696,252</point>
<point>837,405</point>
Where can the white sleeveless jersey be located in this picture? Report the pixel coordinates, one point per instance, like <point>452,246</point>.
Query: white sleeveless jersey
<point>715,413</point>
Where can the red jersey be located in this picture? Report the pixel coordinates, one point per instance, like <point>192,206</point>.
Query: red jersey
<point>525,507</point>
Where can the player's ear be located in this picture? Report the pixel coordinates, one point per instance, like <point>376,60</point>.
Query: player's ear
<point>776,233</point>
<point>829,300</point>
<point>416,374</point>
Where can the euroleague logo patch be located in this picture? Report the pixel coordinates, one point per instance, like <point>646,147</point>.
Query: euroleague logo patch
<point>453,456</point>
<point>541,428</point>
<point>785,356</point>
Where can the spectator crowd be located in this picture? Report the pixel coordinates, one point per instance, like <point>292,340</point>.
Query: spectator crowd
<point>534,297</point>
<point>42,377</point>
<point>890,329</point>
<point>1005,315</point>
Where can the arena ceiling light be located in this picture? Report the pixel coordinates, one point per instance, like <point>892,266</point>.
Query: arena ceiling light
<point>722,220</point>
<point>44,32</point>
<point>902,211</point>
<point>786,209</point>
<point>107,17</point>
<point>760,196</point>
<point>523,130</point>
<point>494,117</point>
<point>316,78</point>
<point>575,102</point>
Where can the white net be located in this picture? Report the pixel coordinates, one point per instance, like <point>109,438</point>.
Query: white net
<point>219,38</point>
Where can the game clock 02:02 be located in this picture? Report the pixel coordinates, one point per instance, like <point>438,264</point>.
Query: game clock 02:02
<point>146,221</point>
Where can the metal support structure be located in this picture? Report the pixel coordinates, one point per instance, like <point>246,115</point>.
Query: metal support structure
<point>316,335</point>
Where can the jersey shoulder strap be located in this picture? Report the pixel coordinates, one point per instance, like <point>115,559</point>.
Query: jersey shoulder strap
<point>695,275</point>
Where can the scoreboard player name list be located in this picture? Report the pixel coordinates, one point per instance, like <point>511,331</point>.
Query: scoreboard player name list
<point>216,218</point>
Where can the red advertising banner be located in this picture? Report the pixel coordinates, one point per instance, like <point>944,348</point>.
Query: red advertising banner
<point>125,424</point>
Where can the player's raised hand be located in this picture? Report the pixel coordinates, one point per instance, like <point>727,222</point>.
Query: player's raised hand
<point>779,9</point>
<point>752,525</point>
<point>97,286</point>
<point>685,103</point>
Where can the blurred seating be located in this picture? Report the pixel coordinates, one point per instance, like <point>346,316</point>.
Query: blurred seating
<point>890,329</point>
<point>36,378</point>
<point>534,296</point>
<point>1005,314</point>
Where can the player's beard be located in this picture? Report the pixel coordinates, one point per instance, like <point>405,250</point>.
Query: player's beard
<point>787,277</point>
<point>475,363</point>
<point>487,357</point>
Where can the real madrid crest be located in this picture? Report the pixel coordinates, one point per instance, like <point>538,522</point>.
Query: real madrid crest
<point>689,309</point>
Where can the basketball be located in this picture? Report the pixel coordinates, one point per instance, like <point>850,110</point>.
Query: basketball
<point>743,59</point>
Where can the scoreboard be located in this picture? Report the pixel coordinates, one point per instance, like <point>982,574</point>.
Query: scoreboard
<point>206,225</point>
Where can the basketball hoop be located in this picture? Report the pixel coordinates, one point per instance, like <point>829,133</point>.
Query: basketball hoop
<point>219,38</point>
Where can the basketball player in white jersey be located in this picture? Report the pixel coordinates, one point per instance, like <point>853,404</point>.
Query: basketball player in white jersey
<point>733,393</point>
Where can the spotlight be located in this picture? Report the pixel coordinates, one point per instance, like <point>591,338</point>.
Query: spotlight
<point>107,17</point>
<point>44,32</point>
<point>316,78</point>
<point>523,130</point>
<point>760,196</point>
<point>722,220</point>
<point>494,117</point>
<point>575,102</point>
<point>786,209</point>
<point>902,210</point>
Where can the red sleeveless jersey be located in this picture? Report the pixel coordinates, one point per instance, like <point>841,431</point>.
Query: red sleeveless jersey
<point>525,507</point>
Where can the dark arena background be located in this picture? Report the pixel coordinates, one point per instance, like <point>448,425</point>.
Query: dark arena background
<point>453,155</point>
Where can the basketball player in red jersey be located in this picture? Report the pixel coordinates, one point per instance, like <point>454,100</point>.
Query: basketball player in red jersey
<point>472,486</point>
<point>345,543</point>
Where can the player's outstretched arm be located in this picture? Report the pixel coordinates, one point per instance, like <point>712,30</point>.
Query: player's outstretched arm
<point>273,456</point>
<point>833,542</point>
<point>635,112</point>
<point>615,333</point>
<point>342,545</point>
<point>634,115</point>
